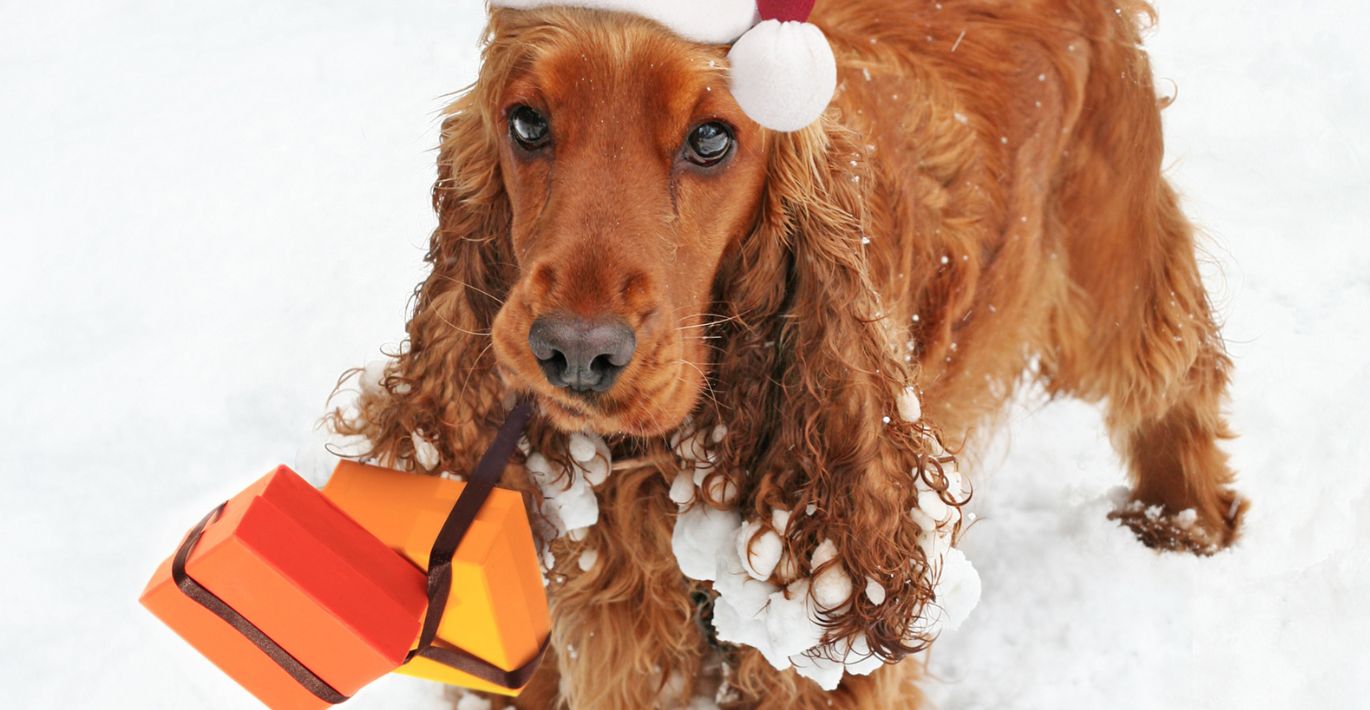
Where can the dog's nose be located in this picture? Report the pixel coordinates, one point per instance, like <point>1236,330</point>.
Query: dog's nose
<point>581,355</point>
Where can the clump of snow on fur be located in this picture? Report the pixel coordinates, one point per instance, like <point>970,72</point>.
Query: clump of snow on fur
<point>956,595</point>
<point>582,448</point>
<point>682,489</point>
<point>746,559</point>
<point>699,534</point>
<point>910,408</point>
<point>587,559</point>
<point>874,591</point>
<point>568,500</point>
<point>759,550</point>
<point>425,453</point>
<point>568,492</point>
<point>832,587</point>
<point>372,375</point>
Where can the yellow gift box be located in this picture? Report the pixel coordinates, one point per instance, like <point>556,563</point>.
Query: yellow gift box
<point>497,608</point>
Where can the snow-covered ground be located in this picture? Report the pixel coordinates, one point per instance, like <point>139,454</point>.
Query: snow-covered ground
<point>209,210</point>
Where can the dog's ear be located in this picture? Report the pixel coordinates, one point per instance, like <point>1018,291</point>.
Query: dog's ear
<point>819,404</point>
<point>432,404</point>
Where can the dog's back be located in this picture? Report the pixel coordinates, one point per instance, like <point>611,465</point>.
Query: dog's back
<point>1021,222</point>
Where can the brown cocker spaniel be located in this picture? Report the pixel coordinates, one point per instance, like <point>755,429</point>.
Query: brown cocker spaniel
<point>981,206</point>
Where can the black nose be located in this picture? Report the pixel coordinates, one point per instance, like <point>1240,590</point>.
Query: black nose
<point>581,355</point>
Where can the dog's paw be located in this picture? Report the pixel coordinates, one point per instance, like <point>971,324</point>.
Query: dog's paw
<point>1187,530</point>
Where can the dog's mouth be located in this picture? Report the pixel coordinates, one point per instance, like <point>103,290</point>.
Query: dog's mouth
<point>633,411</point>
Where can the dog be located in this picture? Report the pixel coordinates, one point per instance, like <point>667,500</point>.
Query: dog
<point>982,206</point>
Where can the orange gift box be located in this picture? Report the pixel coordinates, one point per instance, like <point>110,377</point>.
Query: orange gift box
<point>316,584</point>
<point>497,609</point>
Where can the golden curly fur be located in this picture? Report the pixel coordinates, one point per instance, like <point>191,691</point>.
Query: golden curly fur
<point>983,200</point>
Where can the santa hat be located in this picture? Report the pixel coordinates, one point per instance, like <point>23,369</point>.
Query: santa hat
<point>783,70</point>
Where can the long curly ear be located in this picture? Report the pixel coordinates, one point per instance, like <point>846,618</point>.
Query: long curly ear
<point>430,405</point>
<point>820,408</point>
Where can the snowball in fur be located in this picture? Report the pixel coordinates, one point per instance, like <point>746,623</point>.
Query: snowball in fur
<point>596,470</point>
<point>582,447</point>
<point>924,521</point>
<point>825,551</point>
<point>372,376</point>
<point>910,409</point>
<point>573,508</point>
<point>722,489</point>
<point>783,74</point>
<point>792,625</point>
<point>955,596</point>
<point>566,507</point>
<point>780,520</point>
<point>425,453</point>
<point>933,505</point>
<point>832,587</point>
<point>759,553</point>
<point>587,560</point>
<point>540,469</point>
<point>958,589</point>
<point>682,489</point>
<point>694,447</point>
<point>787,569</point>
<point>859,659</point>
<point>826,672</point>
<point>874,591</point>
<point>700,533</point>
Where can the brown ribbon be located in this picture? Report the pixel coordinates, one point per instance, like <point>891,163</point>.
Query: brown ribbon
<point>210,601</point>
<point>478,486</point>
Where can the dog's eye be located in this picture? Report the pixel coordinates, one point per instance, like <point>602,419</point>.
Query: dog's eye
<point>528,127</point>
<point>709,144</point>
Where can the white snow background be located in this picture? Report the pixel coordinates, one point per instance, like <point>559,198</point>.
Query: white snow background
<point>210,210</point>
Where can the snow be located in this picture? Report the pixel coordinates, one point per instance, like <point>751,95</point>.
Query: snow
<point>759,551</point>
<point>910,407</point>
<point>875,591</point>
<point>569,501</point>
<point>209,211</point>
<point>582,448</point>
<point>699,534</point>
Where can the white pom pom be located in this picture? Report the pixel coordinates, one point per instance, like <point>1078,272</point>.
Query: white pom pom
<point>783,74</point>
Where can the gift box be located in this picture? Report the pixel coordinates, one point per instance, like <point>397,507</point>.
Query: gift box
<point>289,596</point>
<point>496,610</point>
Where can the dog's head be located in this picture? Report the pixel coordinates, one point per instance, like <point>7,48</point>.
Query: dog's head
<point>629,171</point>
<point>617,239</point>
